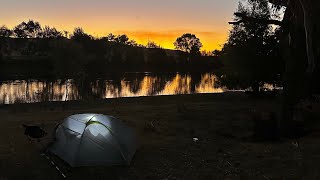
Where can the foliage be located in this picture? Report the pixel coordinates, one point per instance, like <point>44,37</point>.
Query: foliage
<point>5,32</point>
<point>111,37</point>
<point>51,33</point>
<point>80,36</point>
<point>206,53</point>
<point>217,53</point>
<point>66,34</point>
<point>251,54</point>
<point>121,39</point>
<point>152,44</point>
<point>30,29</point>
<point>132,43</point>
<point>188,43</point>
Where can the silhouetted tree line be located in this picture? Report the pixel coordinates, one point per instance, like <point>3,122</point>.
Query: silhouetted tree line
<point>32,29</point>
<point>63,53</point>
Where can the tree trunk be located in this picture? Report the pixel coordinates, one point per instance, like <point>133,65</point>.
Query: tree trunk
<point>300,58</point>
<point>301,51</point>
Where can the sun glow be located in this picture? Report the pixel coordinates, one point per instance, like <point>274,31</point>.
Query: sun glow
<point>210,40</point>
<point>144,20</point>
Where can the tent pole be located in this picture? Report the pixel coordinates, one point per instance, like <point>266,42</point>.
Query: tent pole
<point>57,168</point>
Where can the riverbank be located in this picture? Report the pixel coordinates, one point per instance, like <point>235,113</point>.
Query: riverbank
<point>222,123</point>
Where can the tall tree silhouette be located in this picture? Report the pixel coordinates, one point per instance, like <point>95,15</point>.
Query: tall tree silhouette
<point>188,43</point>
<point>30,29</point>
<point>251,53</point>
<point>299,35</point>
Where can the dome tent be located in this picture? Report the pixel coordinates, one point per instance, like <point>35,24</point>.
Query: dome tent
<point>94,139</point>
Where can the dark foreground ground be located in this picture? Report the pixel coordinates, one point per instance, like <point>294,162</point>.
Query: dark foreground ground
<point>221,122</point>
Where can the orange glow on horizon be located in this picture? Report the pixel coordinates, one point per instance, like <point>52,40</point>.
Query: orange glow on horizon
<point>165,38</point>
<point>209,40</point>
<point>159,21</point>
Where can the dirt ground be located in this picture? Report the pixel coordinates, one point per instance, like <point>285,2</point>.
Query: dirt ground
<point>221,122</point>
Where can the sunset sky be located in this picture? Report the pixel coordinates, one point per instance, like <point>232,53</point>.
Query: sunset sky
<point>160,21</point>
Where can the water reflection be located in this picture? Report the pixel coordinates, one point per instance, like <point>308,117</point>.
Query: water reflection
<point>127,85</point>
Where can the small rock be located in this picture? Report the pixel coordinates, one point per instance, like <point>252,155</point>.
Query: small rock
<point>195,139</point>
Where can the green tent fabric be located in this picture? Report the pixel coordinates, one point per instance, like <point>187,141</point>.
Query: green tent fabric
<point>94,139</point>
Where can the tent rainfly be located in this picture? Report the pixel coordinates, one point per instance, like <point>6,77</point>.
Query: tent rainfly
<point>94,139</point>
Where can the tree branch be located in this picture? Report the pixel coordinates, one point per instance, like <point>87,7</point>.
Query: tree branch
<point>246,19</point>
<point>279,2</point>
<point>236,23</point>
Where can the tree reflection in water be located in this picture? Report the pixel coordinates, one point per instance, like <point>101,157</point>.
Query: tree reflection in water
<point>118,85</point>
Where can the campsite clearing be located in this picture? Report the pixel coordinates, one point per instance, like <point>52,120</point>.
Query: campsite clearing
<point>167,127</point>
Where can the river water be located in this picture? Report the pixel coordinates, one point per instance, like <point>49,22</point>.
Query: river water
<point>124,85</point>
